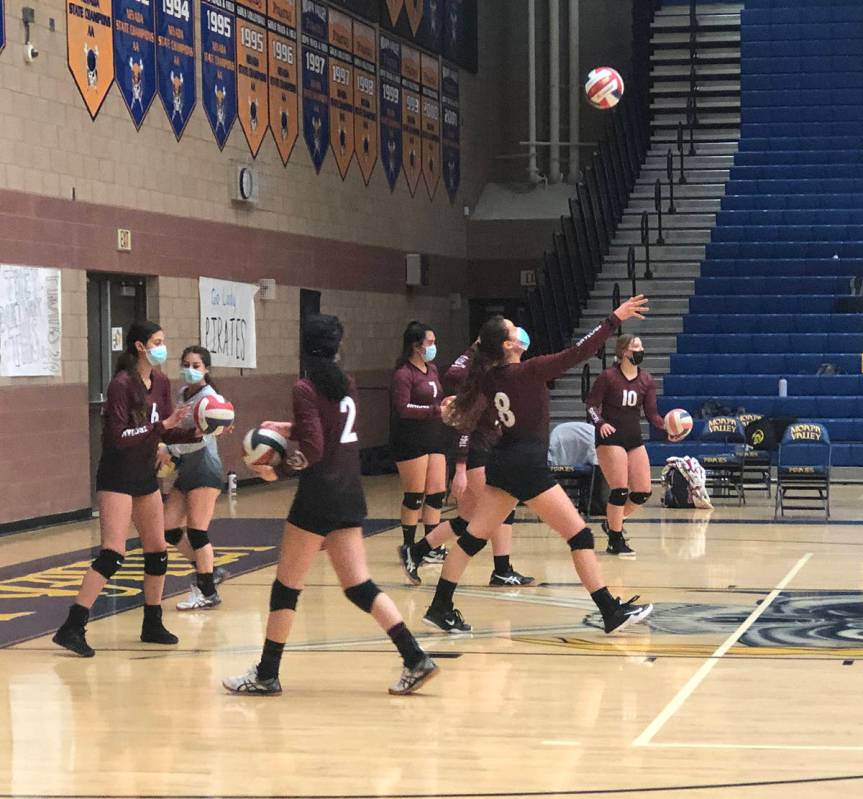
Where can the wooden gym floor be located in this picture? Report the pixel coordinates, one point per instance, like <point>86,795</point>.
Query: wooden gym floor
<point>746,683</point>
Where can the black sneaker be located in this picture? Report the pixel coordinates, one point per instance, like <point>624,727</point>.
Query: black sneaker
<point>450,621</point>
<point>510,578</point>
<point>625,614</point>
<point>436,556</point>
<point>413,679</point>
<point>154,632</point>
<point>409,567</point>
<point>72,637</point>
<point>617,544</point>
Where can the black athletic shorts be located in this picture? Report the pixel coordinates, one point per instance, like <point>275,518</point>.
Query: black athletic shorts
<point>321,508</point>
<point>520,471</point>
<point>408,449</point>
<point>627,439</point>
<point>412,438</point>
<point>108,479</point>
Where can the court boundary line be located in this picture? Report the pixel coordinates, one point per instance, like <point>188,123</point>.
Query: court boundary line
<point>696,679</point>
<point>782,747</point>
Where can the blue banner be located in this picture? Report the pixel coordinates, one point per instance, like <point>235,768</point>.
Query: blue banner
<point>218,67</point>
<point>135,56</point>
<point>391,109</point>
<point>451,131</point>
<point>316,84</point>
<point>430,32</point>
<point>175,60</point>
<point>460,33</point>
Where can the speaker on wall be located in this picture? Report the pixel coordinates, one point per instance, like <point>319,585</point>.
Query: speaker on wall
<point>416,269</point>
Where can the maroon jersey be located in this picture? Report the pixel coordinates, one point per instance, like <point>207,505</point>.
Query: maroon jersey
<point>416,402</point>
<point>487,430</point>
<point>517,395</point>
<point>617,401</point>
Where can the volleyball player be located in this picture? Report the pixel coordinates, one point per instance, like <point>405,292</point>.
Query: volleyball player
<point>516,395</point>
<point>419,437</point>
<point>471,455</point>
<point>329,504</point>
<point>614,407</point>
<point>137,415</point>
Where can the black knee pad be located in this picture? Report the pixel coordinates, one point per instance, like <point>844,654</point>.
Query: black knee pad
<point>198,538</point>
<point>107,562</point>
<point>617,496</point>
<point>435,500</point>
<point>459,526</point>
<point>511,518</point>
<point>582,540</point>
<point>413,500</point>
<point>174,535</point>
<point>282,597</point>
<point>363,595</point>
<point>471,544</point>
<point>639,497</point>
<point>155,563</point>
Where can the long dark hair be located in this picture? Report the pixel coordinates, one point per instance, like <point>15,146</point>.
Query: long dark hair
<point>206,359</point>
<point>489,353</point>
<point>322,336</point>
<point>142,331</point>
<point>414,334</point>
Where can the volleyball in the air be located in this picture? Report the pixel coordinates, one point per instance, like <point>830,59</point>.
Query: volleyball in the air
<point>213,414</point>
<point>678,423</point>
<point>604,87</point>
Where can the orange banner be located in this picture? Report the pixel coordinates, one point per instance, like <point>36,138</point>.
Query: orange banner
<point>394,7</point>
<point>252,91</point>
<point>341,41</point>
<point>283,95</point>
<point>365,99</point>
<point>415,14</point>
<point>431,122</point>
<point>90,50</point>
<point>411,117</point>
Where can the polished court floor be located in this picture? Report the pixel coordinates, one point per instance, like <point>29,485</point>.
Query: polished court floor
<point>746,683</point>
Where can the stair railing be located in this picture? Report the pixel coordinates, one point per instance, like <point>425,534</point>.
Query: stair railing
<point>645,242</point>
<point>657,204</point>
<point>669,172</point>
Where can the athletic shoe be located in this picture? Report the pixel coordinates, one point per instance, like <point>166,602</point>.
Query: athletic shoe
<point>220,574</point>
<point>197,601</point>
<point>450,621</point>
<point>625,614</point>
<point>617,544</point>
<point>436,556</point>
<point>409,567</point>
<point>72,637</point>
<point>510,578</point>
<point>154,632</point>
<point>250,684</point>
<point>413,679</point>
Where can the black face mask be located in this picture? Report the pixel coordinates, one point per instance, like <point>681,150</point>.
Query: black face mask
<point>637,357</point>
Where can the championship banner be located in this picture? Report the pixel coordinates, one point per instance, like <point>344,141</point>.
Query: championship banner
<point>391,109</point>
<point>219,67</point>
<point>411,117</point>
<point>460,33</point>
<point>284,99</point>
<point>2,28</point>
<point>394,10</point>
<point>365,99</point>
<point>451,131</point>
<point>431,122</point>
<point>135,56</point>
<point>175,60</point>
<point>430,33</point>
<point>341,40</point>
<point>90,49</point>
<point>228,321</point>
<point>414,9</point>
<point>367,9</point>
<point>316,112</point>
<point>253,108</point>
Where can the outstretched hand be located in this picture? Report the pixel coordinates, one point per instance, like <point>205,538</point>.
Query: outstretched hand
<point>633,308</point>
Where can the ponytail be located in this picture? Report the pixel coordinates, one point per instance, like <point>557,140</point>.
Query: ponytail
<point>327,377</point>
<point>465,409</point>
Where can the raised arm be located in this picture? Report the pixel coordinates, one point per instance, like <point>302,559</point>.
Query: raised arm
<point>550,367</point>
<point>402,399</point>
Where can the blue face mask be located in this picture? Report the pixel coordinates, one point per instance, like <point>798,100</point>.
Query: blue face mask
<point>157,355</point>
<point>430,353</point>
<point>191,376</point>
<point>523,338</point>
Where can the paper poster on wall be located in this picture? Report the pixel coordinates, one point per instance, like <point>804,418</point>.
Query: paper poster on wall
<point>90,49</point>
<point>451,154</point>
<point>431,122</point>
<point>175,60</point>
<point>30,330</point>
<point>228,321</point>
<point>341,41</point>
<point>391,109</point>
<point>284,95</point>
<point>365,99</point>
<point>411,117</point>
<point>218,67</point>
<point>135,56</point>
<point>253,94</point>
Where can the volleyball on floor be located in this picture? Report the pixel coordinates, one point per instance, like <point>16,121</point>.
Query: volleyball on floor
<point>264,447</point>
<point>678,423</point>
<point>604,87</point>
<point>213,415</point>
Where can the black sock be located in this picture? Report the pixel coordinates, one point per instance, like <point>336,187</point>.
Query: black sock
<point>152,613</point>
<point>205,583</point>
<point>409,531</point>
<point>420,549</point>
<point>271,659</point>
<point>429,527</point>
<point>407,645</point>
<point>443,594</point>
<point>78,615</point>
<point>604,601</point>
<point>501,564</point>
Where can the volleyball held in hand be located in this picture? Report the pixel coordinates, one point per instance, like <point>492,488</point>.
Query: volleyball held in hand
<point>604,87</point>
<point>264,447</point>
<point>678,424</point>
<point>213,415</point>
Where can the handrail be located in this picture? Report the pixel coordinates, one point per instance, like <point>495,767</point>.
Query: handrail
<point>680,151</point>
<point>630,269</point>
<point>615,303</point>
<point>585,382</point>
<point>669,171</point>
<point>657,204</point>
<point>645,241</point>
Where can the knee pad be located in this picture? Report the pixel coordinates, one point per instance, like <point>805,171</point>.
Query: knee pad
<point>435,500</point>
<point>639,497</point>
<point>582,540</point>
<point>459,526</point>
<point>511,518</point>
<point>107,562</point>
<point>413,500</point>
<point>174,535</point>
<point>363,595</point>
<point>282,597</point>
<point>471,544</point>
<point>198,538</point>
<point>155,563</point>
<point>617,496</point>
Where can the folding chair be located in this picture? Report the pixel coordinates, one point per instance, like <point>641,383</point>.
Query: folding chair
<point>757,463</point>
<point>572,460</point>
<point>803,473</point>
<point>724,472</point>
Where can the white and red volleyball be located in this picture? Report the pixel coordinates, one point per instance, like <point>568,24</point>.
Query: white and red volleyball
<point>264,447</point>
<point>213,414</point>
<point>678,423</point>
<point>604,87</point>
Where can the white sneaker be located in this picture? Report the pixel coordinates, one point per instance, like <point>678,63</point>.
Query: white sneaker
<point>197,601</point>
<point>413,679</point>
<point>250,683</point>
